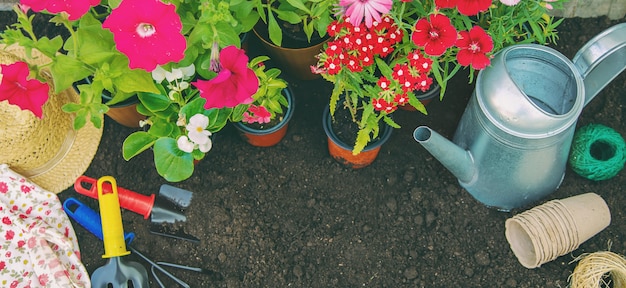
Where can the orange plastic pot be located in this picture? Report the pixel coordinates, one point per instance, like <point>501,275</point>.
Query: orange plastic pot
<point>342,152</point>
<point>271,136</point>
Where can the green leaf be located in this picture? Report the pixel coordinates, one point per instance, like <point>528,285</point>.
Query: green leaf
<point>171,163</point>
<point>276,35</point>
<point>163,128</point>
<point>289,16</point>
<point>154,102</point>
<point>67,70</point>
<point>300,5</point>
<point>195,106</point>
<point>136,143</point>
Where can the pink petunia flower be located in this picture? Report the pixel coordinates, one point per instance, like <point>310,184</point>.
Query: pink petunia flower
<point>436,34</point>
<point>74,8</point>
<point>371,10</point>
<point>148,32</point>
<point>18,90</point>
<point>473,47</point>
<point>234,84</point>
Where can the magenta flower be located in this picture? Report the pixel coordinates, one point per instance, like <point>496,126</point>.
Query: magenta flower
<point>148,32</point>
<point>234,84</point>
<point>371,10</point>
<point>26,94</point>
<point>74,8</point>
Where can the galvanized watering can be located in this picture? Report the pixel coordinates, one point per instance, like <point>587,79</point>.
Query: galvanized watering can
<point>512,143</point>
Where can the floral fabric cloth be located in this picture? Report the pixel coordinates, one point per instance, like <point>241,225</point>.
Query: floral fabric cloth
<point>38,246</point>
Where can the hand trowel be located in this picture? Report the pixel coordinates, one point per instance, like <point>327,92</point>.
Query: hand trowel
<point>166,207</point>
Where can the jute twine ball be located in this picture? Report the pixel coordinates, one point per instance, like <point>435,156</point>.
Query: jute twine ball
<point>599,269</point>
<point>598,152</point>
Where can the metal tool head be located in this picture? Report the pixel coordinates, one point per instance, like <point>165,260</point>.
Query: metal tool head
<point>120,274</point>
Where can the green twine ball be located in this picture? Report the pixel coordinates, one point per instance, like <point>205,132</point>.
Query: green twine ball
<point>598,152</point>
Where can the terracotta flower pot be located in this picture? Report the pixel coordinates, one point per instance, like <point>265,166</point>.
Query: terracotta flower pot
<point>273,135</point>
<point>342,152</point>
<point>424,97</point>
<point>297,61</point>
<point>125,113</point>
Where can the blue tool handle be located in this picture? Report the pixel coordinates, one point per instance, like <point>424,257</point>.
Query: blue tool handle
<point>88,218</point>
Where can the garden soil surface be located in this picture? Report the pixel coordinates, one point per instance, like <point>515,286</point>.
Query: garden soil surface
<point>291,216</point>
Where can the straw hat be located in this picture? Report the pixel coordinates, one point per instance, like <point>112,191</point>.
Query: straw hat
<point>48,151</point>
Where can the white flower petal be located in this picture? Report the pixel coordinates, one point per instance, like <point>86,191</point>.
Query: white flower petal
<point>199,137</point>
<point>177,73</point>
<point>200,120</point>
<point>170,76</point>
<point>184,144</point>
<point>189,70</point>
<point>158,74</point>
<point>206,147</point>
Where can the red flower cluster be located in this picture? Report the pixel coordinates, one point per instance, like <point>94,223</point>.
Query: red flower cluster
<point>436,34</point>
<point>356,47</point>
<point>406,78</point>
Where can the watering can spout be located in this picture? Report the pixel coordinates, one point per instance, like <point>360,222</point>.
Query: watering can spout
<point>459,161</point>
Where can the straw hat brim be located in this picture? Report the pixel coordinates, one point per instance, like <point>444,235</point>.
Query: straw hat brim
<point>48,151</point>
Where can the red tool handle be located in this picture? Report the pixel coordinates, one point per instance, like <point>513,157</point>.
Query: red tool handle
<point>130,200</point>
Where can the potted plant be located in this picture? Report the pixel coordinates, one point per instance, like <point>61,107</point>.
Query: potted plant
<point>382,53</point>
<point>197,96</point>
<point>266,120</point>
<point>292,31</point>
<point>94,50</point>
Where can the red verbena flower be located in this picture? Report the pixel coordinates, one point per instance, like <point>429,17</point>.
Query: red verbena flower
<point>74,8</point>
<point>371,10</point>
<point>148,32</point>
<point>472,7</point>
<point>419,62</point>
<point>401,99</point>
<point>384,83</point>
<point>381,104</point>
<point>473,47</point>
<point>435,34</point>
<point>423,82</point>
<point>234,84</point>
<point>28,94</point>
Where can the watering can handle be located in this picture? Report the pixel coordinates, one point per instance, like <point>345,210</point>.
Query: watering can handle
<point>601,59</point>
<point>111,217</point>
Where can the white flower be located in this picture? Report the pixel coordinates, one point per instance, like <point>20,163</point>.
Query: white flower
<point>158,74</point>
<point>189,70</point>
<point>206,147</point>
<point>196,129</point>
<point>184,144</point>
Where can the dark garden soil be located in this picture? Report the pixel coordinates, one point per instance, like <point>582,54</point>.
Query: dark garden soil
<point>290,216</point>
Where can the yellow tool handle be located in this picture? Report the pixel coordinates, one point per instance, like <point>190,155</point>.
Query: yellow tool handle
<point>112,228</point>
